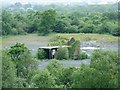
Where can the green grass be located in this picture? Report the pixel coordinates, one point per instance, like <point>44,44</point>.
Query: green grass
<point>27,39</point>
<point>38,40</point>
<point>88,37</point>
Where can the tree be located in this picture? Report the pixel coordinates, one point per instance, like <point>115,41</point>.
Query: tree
<point>17,51</point>
<point>48,18</point>
<point>34,19</point>
<point>72,29</point>
<point>6,28</point>
<point>20,23</point>
<point>43,79</point>
<point>101,73</point>
<point>9,71</point>
<point>55,68</point>
<point>111,15</point>
<point>106,63</point>
<point>60,26</point>
<point>85,77</point>
<point>88,28</point>
<point>66,77</point>
<point>75,21</point>
<point>6,22</point>
<point>114,29</point>
<point>22,57</point>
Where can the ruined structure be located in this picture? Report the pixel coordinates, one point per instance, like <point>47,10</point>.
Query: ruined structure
<point>72,45</point>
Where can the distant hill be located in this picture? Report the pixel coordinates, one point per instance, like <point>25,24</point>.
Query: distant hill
<point>83,7</point>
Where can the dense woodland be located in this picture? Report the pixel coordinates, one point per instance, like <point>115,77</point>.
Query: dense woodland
<point>102,19</point>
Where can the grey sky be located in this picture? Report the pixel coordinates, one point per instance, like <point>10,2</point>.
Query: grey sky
<point>61,1</point>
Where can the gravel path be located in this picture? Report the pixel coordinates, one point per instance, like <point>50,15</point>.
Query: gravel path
<point>66,63</point>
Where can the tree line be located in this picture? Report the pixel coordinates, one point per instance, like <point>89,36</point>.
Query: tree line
<point>48,21</point>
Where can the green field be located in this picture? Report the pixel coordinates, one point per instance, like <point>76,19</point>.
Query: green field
<point>34,40</point>
<point>89,37</point>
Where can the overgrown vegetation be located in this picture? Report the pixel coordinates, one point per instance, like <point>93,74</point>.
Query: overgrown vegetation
<point>58,41</point>
<point>9,76</point>
<point>83,55</point>
<point>43,79</point>
<point>73,48</point>
<point>18,64</point>
<point>41,54</point>
<point>103,73</point>
<point>62,53</point>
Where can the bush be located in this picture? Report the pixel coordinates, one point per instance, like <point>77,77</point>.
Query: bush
<point>41,54</point>
<point>58,40</point>
<point>66,77</point>
<point>55,68</point>
<point>104,60</point>
<point>14,31</point>
<point>82,55</point>
<point>106,63</point>
<point>43,79</point>
<point>62,53</point>
<point>101,73</point>
<point>85,77</point>
<point>98,55</point>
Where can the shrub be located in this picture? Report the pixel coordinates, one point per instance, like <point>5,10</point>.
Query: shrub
<point>103,71</point>
<point>66,77</point>
<point>58,40</point>
<point>97,55</point>
<point>43,79</point>
<point>62,53</point>
<point>41,54</point>
<point>106,63</point>
<point>55,68</point>
<point>104,60</point>
<point>85,77</point>
<point>14,31</point>
<point>82,55</point>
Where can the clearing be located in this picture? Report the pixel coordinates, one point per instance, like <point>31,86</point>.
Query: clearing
<point>88,43</point>
<point>33,41</point>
